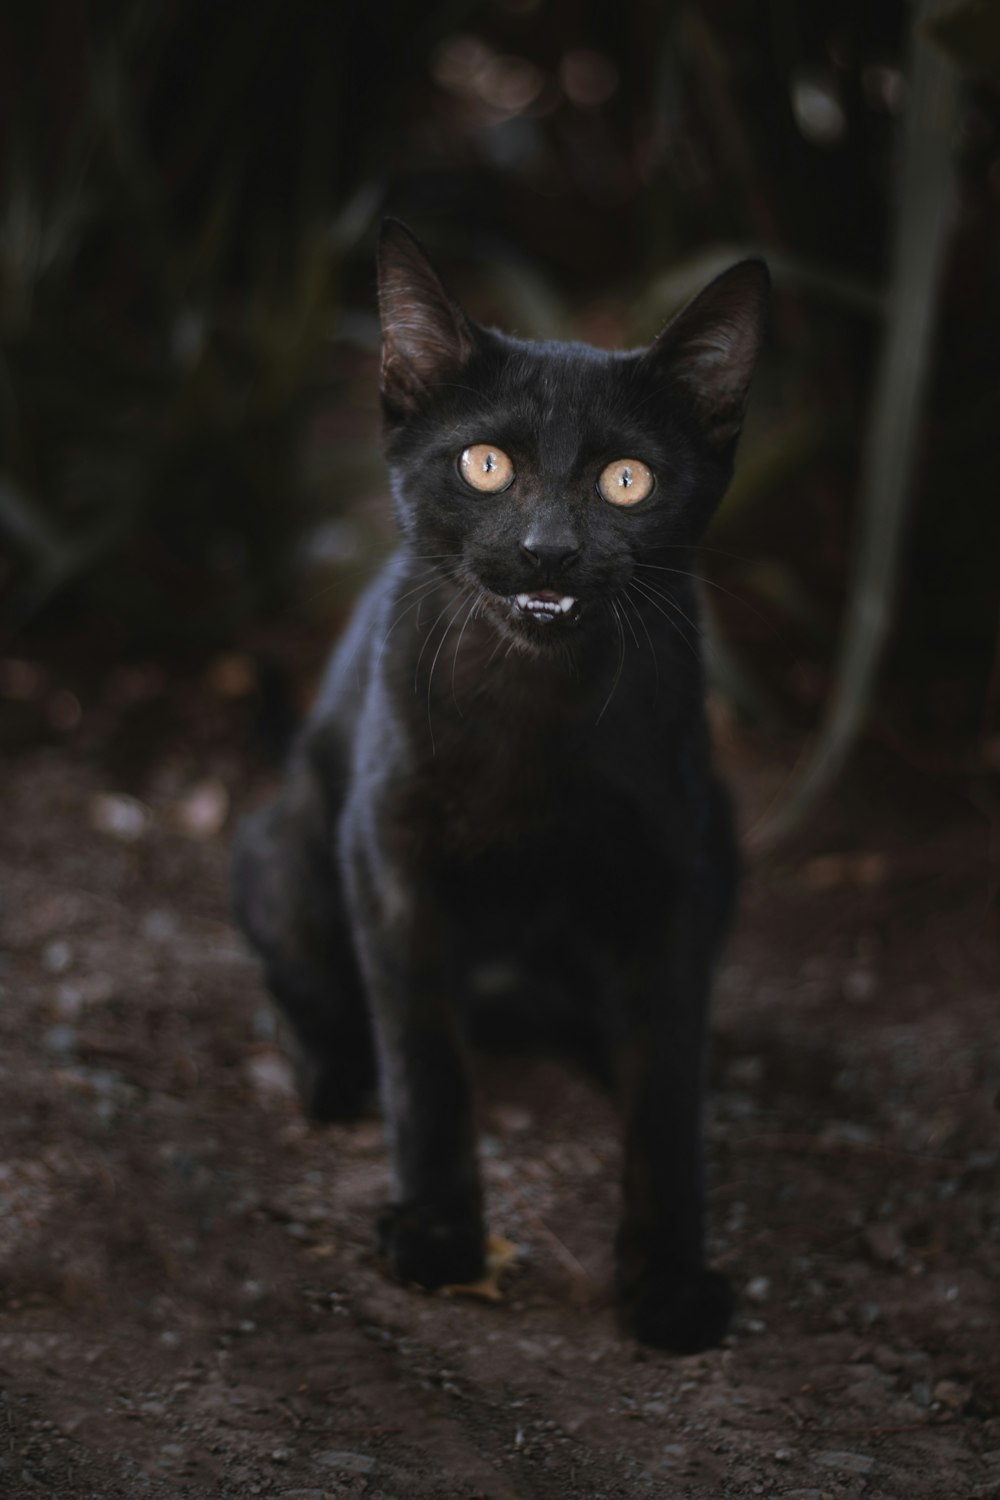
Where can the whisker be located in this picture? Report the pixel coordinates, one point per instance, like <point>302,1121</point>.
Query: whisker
<point>496,648</point>
<point>651,589</point>
<point>711,583</point>
<point>428,589</point>
<point>621,661</point>
<point>430,676</point>
<point>637,583</point>
<point>627,599</point>
<point>699,547</point>
<point>628,622</point>
<point>426,640</point>
<point>329,587</point>
<point>458,647</point>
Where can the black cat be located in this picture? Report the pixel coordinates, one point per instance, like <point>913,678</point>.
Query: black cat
<point>507,771</point>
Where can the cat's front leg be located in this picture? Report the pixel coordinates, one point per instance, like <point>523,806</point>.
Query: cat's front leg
<point>669,1296</point>
<point>432,1230</point>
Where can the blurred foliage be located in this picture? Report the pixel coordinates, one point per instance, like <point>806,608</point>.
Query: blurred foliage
<point>188,202</point>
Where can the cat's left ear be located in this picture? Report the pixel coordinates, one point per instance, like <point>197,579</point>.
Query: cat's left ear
<point>710,348</point>
<point>426,337</point>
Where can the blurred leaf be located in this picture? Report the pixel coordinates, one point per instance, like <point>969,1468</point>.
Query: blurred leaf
<point>673,288</point>
<point>969,33</point>
<point>772,454</point>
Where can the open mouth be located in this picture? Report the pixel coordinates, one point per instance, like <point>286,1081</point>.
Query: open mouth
<point>545,606</point>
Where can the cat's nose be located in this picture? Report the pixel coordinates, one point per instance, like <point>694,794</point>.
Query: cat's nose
<point>552,553</point>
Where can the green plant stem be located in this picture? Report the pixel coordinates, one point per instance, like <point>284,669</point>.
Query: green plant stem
<point>923,211</point>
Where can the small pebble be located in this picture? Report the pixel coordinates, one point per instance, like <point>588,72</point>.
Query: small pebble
<point>158,925</point>
<point>859,986</point>
<point>883,1242</point>
<point>849,1463</point>
<point>120,817</point>
<point>60,1038</point>
<point>351,1463</point>
<point>57,957</point>
<point>203,810</point>
<point>951,1394</point>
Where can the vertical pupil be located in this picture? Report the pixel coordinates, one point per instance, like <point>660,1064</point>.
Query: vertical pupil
<point>489,463</point>
<point>626,478</point>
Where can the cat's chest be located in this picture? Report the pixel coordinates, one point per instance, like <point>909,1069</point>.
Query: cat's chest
<point>495,787</point>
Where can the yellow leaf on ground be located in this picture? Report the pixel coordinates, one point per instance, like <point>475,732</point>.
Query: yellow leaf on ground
<point>501,1256</point>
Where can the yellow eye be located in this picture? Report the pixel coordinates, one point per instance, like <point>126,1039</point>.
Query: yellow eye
<point>625,482</point>
<point>486,468</point>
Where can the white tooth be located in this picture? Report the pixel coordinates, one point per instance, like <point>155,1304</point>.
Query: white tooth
<point>566,603</point>
<point>522,600</point>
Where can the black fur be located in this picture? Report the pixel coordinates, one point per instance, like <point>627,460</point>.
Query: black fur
<point>478,793</point>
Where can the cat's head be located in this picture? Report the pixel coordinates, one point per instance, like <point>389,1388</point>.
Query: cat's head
<point>543,473</point>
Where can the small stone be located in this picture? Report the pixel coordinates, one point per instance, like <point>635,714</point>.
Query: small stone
<point>158,925</point>
<point>203,810</point>
<point>271,1074</point>
<point>848,1463</point>
<point>119,816</point>
<point>63,711</point>
<point>512,1119</point>
<point>883,1242</point>
<point>60,1038</point>
<point>859,986</point>
<point>57,957</point>
<point>21,681</point>
<point>846,1133</point>
<point>951,1394</point>
<point>350,1463</point>
<point>758,1290</point>
<point>69,1001</point>
<point>232,675</point>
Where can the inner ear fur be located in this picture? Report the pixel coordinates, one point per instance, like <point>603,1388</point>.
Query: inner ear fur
<point>426,337</point>
<point>711,346</point>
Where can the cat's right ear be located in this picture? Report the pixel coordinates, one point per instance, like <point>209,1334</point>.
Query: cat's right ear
<point>426,337</point>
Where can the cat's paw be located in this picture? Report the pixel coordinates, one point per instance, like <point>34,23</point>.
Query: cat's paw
<point>681,1310</point>
<point>431,1245</point>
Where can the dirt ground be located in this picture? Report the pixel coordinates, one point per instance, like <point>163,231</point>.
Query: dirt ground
<point>190,1301</point>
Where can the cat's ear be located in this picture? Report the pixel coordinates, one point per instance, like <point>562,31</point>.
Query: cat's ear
<point>710,347</point>
<point>426,337</point>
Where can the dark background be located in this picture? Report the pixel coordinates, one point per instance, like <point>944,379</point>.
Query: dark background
<point>189,198</point>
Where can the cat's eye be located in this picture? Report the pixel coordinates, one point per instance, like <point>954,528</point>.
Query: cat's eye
<point>625,482</point>
<point>486,468</point>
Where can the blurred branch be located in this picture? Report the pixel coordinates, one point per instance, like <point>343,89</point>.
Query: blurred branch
<point>922,217</point>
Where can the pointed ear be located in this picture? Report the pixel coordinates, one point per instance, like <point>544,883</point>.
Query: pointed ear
<point>426,337</point>
<point>711,347</point>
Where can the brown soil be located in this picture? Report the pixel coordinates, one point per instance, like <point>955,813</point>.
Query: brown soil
<point>191,1305</point>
